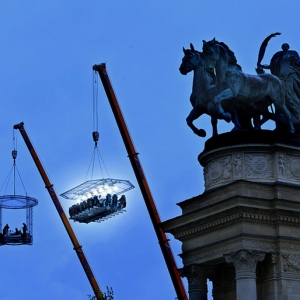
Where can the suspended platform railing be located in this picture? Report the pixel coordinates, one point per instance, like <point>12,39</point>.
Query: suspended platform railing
<point>19,236</point>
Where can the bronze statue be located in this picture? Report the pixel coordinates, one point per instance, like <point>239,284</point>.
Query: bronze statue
<point>285,65</point>
<point>203,92</point>
<point>231,83</point>
<point>223,91</point>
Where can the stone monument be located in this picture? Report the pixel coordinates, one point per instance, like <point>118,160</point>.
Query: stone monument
<point>243,231</point>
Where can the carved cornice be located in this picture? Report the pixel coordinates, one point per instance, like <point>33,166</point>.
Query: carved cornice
<point>216,222</point>
<point>258,192</point>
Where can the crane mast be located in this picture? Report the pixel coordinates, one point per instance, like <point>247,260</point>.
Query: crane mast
<point>59,208</point>
<point>137,168</point>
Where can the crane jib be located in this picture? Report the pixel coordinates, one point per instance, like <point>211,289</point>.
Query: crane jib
<point>139,167</point>
<point>107,81</point>
<point>85,264</point>
<point>55,200</point>
<point>26,138</point>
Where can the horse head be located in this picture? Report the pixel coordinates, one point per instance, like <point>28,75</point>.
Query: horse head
<point>211,51</point>
<point>218,51</point>
<point>191,60</point>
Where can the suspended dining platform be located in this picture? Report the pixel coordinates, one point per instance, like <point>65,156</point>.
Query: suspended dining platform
<point>18,236</point>
<point>97,200</point>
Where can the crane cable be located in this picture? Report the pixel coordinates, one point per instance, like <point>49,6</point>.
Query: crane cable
<point>95,132</point>
<point>13,170</point>
<point>14,155</point>
<point>95,110</point>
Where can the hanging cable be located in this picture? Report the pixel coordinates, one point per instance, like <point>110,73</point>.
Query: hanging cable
<point>6,181</point>
<point>95,133</point>
<point>14,155</point>
<point>100,156</point>
<point>15,168</point>
<point>21,180</point>
<point>95,109</point>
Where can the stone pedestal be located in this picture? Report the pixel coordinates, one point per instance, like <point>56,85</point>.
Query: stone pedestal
<point>244,230</point>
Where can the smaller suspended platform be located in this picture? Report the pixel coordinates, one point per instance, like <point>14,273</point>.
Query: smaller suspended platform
<point>19,236</point>
<point>97,200</point>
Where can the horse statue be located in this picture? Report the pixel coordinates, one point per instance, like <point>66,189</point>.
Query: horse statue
<point>231,83</point>
<point>203,92</point>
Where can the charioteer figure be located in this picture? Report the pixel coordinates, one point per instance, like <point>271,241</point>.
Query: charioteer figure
<point>285,65</point>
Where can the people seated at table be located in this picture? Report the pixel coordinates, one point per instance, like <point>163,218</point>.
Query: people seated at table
<point>110,203</point>
<point>122,202</point>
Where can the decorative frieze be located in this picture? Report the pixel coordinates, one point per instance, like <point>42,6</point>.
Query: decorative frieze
<point>254,166</point>
<point>291,263</point>
<point>258,165</point>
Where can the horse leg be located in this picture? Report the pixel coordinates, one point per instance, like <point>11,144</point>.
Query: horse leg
<point>265,117</point>
<point>214,122</point>
<point>193,115</point>
<point>257,122</point>
<point>217,108</point>
<point>235,120</point>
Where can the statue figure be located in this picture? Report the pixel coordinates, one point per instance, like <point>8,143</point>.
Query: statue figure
<point>203,91</point>
<point>232,82</point>
<point>285,65</point>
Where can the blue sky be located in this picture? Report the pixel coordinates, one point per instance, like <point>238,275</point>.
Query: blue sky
<point>46,56</point>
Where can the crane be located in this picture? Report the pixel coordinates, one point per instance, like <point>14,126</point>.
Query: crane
<point>137,168</point>
<point>59,208</point>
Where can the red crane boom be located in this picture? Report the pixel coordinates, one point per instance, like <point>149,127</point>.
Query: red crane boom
<point>52,193</point>
<point>137,168</point>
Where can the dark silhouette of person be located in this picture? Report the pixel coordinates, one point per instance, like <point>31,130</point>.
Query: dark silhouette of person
<point>5,229</point>
<point>114,201</point>
<point>123,201</point>
<point>95,200</point>
<point>108,200</point>
<point>24,228</point>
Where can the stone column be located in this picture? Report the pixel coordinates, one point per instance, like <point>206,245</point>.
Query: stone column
<point>196,276</point>
<point>245,272</point>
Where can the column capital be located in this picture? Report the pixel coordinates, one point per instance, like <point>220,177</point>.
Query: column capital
<point>245,262</point>
<point>194,273</point>
<point>197,277</point>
